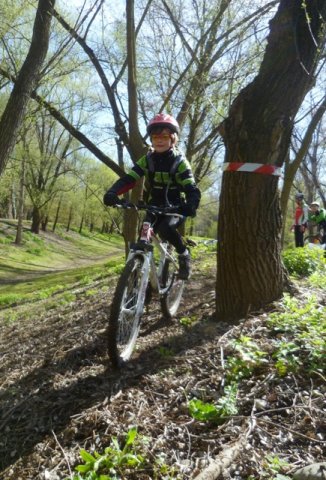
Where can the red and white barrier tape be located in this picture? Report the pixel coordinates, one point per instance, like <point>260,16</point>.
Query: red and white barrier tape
<point>252,167</point>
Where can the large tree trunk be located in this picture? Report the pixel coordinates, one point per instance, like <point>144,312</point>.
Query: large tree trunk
<point>26,81</point>
<point>258,130</point>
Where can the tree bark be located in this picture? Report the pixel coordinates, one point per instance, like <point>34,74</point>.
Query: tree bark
<point>57,215</point>
<point>258,130</point>
<point>69,218</point>
<point>44,223</point>
<point>27,79</point>
<point>20,215</point>
<point>36,220</point>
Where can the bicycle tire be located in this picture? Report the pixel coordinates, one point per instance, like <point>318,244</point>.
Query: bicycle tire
<point>124,323</point>
<point>315,239</point>
<point>170,301</point>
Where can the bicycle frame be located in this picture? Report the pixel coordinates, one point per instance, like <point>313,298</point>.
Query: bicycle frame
<point>142,270</point>
<point>150,271</point>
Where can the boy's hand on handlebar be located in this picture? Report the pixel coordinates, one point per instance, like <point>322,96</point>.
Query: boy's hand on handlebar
<point>188,210</point>
<point>110,199</point>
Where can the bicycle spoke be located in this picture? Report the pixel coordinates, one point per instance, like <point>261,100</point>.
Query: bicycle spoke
<point>125,313</point>
<point>171,299</point>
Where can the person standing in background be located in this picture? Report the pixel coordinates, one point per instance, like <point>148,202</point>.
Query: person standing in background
<point>300,219</point>
<point>318,216</point>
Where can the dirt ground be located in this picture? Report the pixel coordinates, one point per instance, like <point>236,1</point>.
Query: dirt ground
<point>58,393</point>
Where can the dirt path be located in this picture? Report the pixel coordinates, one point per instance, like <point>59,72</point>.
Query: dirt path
<point>19,275</point>
<point>58,394</point>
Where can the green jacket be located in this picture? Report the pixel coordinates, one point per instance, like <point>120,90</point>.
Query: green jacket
<point>164,188</point>
<point>318,217</point>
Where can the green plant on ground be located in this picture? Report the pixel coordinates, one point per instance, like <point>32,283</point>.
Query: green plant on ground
<point>9,299</point>
<point>10,317</point>
<point>300,331</point>
<point>205,255</point>
<point>187,321</point>
<point>318,278</point>
<point>47,292</point>
<point>286,359</point>
<point>273,466</point>
<point>68,297</point>
<point>302,262</point>
<point>91,292</point>
<point>7,240</point>
<point>225,407</point>
<point>115,266</point>
<point>110,464</point>
<point>165,351</point>
<point>117,461</point>
<point>246,359</point>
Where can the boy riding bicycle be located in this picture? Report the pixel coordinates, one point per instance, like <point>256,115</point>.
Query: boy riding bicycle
<point>170,179</point>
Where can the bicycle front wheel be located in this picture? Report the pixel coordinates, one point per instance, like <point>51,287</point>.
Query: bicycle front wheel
<point>171,299</point>
<point>125,313</point>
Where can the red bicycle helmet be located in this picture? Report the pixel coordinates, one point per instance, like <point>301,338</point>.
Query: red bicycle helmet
<point>163,120</point>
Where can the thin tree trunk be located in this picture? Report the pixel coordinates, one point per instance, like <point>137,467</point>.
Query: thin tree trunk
<point>19,233</point>
<point>11,203</point>
<point>57,215</point>
<point>69,219</point>
<point>81,223</point>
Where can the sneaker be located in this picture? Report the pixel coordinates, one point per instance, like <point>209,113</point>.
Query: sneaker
<point>184,265</point>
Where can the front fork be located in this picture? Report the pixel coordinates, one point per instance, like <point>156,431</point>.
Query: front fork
<point>145,273</point>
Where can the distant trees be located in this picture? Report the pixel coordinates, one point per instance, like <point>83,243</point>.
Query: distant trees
<point>305,156</point>
<point>137,74</point>
<point>104,77</point>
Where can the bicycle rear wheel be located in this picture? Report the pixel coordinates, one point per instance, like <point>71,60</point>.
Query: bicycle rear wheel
<point>312,239</point>
<point>124,318</point>
<point>170,301</point>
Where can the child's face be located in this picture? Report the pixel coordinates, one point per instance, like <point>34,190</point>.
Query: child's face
<point>314,208</point>
<point>162,141</point>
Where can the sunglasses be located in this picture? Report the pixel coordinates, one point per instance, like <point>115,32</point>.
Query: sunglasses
<point>160,136</point>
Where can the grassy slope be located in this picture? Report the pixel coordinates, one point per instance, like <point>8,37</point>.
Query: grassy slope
<point>52,261</point>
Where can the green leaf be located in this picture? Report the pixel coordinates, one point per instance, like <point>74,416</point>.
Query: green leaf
<point>203,411</point>
<point>87,457</point>
<point>83,468</point>
<point>131,435</point>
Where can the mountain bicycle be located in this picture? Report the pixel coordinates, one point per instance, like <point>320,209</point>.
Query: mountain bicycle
<point>315,238</point>
<point>141,275</point>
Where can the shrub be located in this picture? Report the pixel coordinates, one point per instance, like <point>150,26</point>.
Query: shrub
<point>302,262</point>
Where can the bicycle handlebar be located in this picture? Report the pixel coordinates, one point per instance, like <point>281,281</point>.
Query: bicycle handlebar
<point>151,208</point>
